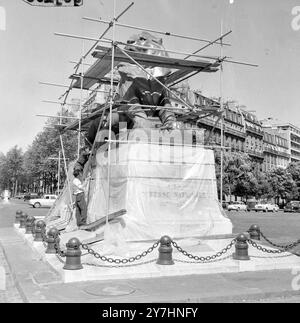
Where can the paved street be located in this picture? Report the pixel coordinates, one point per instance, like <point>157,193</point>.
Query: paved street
<point>280,226</point>
<point>34,281</point>
<point>8,212</point>
<point>7,217</point>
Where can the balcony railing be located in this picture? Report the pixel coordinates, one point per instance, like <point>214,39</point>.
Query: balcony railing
<point>255,153</point>
<point>255,130</point>
<point>271,150</point>
<point>235,132</point>
<point>227,128</point>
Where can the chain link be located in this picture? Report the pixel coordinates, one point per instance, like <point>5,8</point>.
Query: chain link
<point>119,266</point>
<point>260,248</point>
<point>199,262</point>
<point>60,259</point>
<point>58,250</point>
<point>118,260</point>
<point>44,237</point>
<point>207,258</point>
<point>285,247</point>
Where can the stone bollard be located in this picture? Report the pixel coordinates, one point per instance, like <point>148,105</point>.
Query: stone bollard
<point>40,228</point>
<point>254,232</point>
<point>73,255</point>
<point>52,239</point>
<point>23,219</point>
<point>18,217</point>
<point>241,248</point>
<point>165,251</point>
<point>29,224</point>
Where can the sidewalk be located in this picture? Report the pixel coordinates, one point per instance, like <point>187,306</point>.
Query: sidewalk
<point>10,294</point>
<point>37,283</point>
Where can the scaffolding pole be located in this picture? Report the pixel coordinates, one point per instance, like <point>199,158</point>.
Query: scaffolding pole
<point>222,120</point>
<point>58,174</point>
<point>111,24</point>
<point>152,30</point>
<point>110,109</point>
<point>81,101</point>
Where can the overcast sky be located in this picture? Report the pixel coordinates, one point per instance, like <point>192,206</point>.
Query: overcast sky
<point>262,33</point>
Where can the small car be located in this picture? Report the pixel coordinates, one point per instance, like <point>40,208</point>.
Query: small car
<point>237,206</point>
<point>266,207</point>
<point>292,206</point>
<point>30,196</point>
<point>19,196</point>
<point>45,201</point>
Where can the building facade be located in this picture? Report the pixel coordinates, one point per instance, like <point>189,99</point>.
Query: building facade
<point>276,151</point>
<point>233,125</point>
<point>243,132</point>
<point>254,138</point>
<point>287,131</point>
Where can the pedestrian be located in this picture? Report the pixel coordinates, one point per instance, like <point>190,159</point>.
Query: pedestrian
<point>80,203</point>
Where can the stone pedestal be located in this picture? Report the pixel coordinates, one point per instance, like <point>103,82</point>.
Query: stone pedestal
<point>167,188</point>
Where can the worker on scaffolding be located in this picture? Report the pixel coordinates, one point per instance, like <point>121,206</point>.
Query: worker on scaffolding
<point>84,154</point>
<point>80,203</point>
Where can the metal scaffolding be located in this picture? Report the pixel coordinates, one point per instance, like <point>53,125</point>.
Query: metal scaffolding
<point>82,80</point>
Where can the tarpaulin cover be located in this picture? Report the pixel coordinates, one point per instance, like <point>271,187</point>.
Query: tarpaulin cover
<point>60,214</point>
<point>166,190</point>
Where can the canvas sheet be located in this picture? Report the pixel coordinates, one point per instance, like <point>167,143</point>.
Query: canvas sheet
<point>60,214</point>
<point>165,190</point>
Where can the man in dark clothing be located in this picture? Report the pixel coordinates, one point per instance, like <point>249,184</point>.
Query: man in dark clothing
<point>83,158</point>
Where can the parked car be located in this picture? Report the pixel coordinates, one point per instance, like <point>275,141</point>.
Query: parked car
<point>45,201</point>
<point>266,207</point>
<point>251,205</point>
<point>237,206</point>
<point>292,206</point>
<point>20,196</point>
<point>30,196</point>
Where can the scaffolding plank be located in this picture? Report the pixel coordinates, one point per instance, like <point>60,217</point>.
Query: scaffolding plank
<point>97,72</point>
<point>153,60</point>
<point>85,120</point>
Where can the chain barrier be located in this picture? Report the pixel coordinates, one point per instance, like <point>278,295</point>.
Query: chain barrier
<point>44,237</point>
<point>60,258</point>
<point>285,247</point>
<point>119,266</point>
<point>260,248</point>
<point>199,262</point>
<point>59,252</point>
<point>118,260</point>
<point>207,258</point>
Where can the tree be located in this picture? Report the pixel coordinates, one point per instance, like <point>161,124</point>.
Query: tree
<point>39,166</point>
<point>265,189</point>
<point>282,183</point>
<point>238,174</point>
<point>11,168</point>
<point>3,172</point>
<point>294,170</point>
